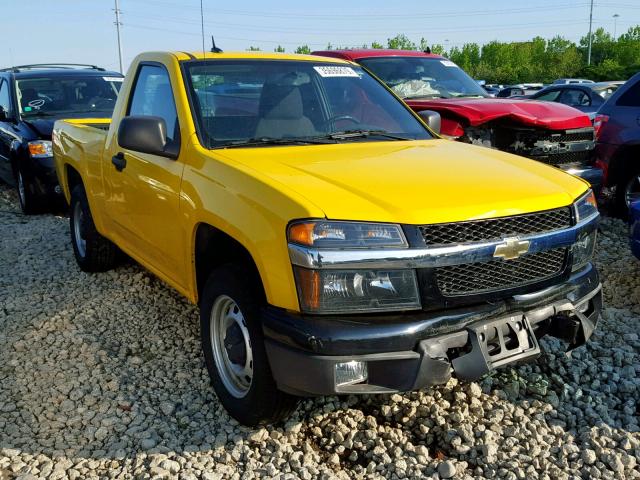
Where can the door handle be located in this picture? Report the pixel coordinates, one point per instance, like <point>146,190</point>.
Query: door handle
<point>119,161</point>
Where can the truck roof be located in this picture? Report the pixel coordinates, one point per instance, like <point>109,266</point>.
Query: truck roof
<point>22,72</point>
<point>183,56</point>
<point>357,53</point>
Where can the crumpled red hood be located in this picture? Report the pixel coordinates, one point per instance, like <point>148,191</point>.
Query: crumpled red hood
<point>477,111</point>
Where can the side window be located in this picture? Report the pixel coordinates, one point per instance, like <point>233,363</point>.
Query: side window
<point>5,97</point>
<point>575,98</point>
<point>630,98</point>
<point>152,96</point>
<point>551,96</point>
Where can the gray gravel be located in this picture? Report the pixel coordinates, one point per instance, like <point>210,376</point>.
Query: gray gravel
<point>101,376</point>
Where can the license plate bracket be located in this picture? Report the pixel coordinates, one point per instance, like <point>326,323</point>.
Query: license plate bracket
<point>495,343</point>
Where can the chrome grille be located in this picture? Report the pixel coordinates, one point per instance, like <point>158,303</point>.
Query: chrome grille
<point>496,228</point>
<point>474,278</point>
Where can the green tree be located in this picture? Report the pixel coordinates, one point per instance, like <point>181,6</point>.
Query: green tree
<point>279,49</point>
<point>377,45</point>
<point>253,49</point>
<point>303,49</point>
<point>401,42</point>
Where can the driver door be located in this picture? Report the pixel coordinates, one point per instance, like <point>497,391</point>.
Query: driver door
<point>143,196</point>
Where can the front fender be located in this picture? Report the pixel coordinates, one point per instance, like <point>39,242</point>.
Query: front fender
<point>250,208</point>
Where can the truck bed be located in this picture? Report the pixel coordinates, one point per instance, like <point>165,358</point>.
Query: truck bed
<point>79,144</point>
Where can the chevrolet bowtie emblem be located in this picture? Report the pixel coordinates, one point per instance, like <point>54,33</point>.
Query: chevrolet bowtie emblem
<point>511,248</point>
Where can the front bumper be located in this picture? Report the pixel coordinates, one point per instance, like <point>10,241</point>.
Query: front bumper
<point>411,351</point>
<point>42,172</point>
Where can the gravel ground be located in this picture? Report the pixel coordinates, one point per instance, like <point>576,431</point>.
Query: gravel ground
<point>101,376</point>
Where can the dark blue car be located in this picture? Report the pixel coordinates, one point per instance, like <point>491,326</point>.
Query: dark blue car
<point>634,231</point>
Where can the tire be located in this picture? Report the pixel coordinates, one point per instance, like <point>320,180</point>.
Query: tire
<point>231,302</point>
<point>30,202</point>
<point>627,189</point>
<point>93,252</point>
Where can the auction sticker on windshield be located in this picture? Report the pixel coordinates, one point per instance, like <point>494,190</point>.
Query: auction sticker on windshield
<point>113,79</point>
<point>448,63</point>
<point>329,71</point>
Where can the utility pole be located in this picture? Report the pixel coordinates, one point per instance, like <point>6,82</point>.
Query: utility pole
<point>590,39</point>
<point>118,23</point>
<point>202,26</point>
<point>615,25</point>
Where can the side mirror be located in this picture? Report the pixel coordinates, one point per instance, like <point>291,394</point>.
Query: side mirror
<point>432,119</point>
<point>145,134</point>
<point>3,115</point>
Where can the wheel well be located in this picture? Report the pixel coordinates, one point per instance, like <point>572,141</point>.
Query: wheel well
<point>214,248</point>
<point>621,163</point>
<point>73,178</point>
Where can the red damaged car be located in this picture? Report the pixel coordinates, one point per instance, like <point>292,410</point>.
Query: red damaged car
<point>552,133</point>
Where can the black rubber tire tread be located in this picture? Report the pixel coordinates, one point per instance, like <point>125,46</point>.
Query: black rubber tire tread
<point>34,203</point>
<point>620,204</point>
<point>100,253</point>
<point>264,403</point>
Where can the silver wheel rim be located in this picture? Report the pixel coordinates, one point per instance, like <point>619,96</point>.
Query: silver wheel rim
<point>78,221</point>
<point>632,192</point>
<point>231,346</point>
<point>21,192</point>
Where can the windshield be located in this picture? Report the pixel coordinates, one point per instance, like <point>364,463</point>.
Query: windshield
<point>64,95</point>
<point>256,101</point>
<point>423,77</point>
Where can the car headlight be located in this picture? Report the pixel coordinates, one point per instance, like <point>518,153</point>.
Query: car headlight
<point>585,206</point>
<point>328,234</point>
<point>40,149</point>
<point>353,290</point>
<point>356,291</point>
<point>583,250</point>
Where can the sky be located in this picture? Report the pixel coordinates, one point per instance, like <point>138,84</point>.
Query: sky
<point>83,31</point>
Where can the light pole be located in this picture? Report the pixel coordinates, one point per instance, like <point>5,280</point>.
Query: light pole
<point>615,25</point>
<point>590,39</point>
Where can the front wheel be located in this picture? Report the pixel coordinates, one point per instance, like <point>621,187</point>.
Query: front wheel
<point>234,351</point>
<point>627,191</point>
<point>30,203</point>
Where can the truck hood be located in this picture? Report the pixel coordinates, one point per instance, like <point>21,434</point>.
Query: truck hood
<point>414,182</point>
<point>477,111</point>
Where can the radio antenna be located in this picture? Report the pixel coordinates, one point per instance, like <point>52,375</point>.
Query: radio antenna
<point>214,49</point>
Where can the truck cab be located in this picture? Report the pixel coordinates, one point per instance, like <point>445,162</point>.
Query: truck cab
<point>333,242</point>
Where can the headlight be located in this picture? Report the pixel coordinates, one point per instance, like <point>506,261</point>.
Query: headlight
<point>40,149</point>
<point>339,291</point>
<point>328,234</point>
<point>586,206</point>
<point>583,250</point>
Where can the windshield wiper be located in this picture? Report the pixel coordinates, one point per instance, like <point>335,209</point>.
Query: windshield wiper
<point>346,134</point>
<point>428,95</point>
<point>256,142</point>
<point>37,114</point>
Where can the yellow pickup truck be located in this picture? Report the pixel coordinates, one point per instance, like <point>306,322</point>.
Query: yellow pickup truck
<point>334,243</point>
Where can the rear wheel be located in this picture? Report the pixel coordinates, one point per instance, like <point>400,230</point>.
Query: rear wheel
<point>234,350</point>
<point>93,252</point>
<point>627,191</point>
<point>30,201</point>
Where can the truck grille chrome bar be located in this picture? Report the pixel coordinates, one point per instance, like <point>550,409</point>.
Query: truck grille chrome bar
<point>496,228</point>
